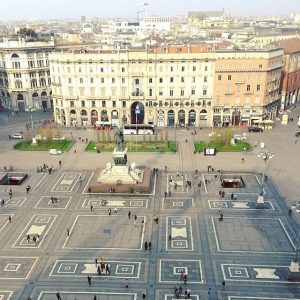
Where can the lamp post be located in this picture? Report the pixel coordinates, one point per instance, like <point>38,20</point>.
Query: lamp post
<point>265,155</point>
<point>31,120</point>
<point>137,111</point>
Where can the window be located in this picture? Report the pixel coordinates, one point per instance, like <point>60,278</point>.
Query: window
<point>123,80</point>
<point>113,80</point>
<point>182,93</point>
<point>171,79</point>
<point>160,80</point>
<point>182,69</point>
<point>101,70</point>
<point>123,104</point>
<point>150,80</point>
<point>123,70</point>
<point>171,93</point>
<point>194,68</point>
<point>229,77</point>
<point>83,103</point>
<point>103,103</point>
<point>193,92</point>
<point>72,104</point>
<point>258,87</point>
<point>160,93</point>
<point>93,103</point>
<point>260,66</point>
<point>248,88</point>
<point>182,79</point>
<point>205,68</point>
<point>79,70</point>
<point>219,77</point>
<point>193,79</point>
<point>70,80</point>
<point>114,103</point>
<point>172,69</point>
<point>204,92</point>
<point>91,80</point>
<point>81,80</point>
<point>102,80</point>
<point>205,79</point>
<point>150,92</point>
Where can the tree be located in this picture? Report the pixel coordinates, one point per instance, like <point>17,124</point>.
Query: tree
<point>28,32</point>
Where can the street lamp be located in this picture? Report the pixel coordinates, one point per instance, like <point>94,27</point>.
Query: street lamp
<point>265,155</point>
<point>137,111</point>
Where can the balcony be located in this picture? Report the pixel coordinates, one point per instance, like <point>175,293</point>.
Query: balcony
<point>240,81</point>
<point>248,93</point>
<point>137,95</point>
<point>228,93</point>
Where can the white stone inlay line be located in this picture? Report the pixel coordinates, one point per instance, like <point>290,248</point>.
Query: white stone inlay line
<point>263,273</point>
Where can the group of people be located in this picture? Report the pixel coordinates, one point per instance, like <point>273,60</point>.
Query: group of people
<point>178,292</point>
<point>102,266</point>
<point>44,169</point>
<point>148,246</point>
<point>35,238</point>
<point>54,200</point>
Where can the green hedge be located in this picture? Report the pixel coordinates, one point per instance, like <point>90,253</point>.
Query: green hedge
<point>43,145</point>
<point>153,146</point>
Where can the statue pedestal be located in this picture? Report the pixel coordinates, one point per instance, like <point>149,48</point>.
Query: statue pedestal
<point>120,173</point>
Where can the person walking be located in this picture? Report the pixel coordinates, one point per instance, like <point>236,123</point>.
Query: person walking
<point>58,297</point>
<point>109,211</point>
<point>146,246</point>
<point>134,219</point>
<point>89,278</point>
<point>92,207</point>
<point>129,215</point>
<point>149,246</point>
<point>9,219</point>
<point>243,160</point>
<point>28,188</point>
<point>95,297</point>
<point>10,193</point>
<point>68,232</point>
<point>116,210</point>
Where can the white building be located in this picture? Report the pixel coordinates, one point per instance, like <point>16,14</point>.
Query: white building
<point>155,24</point>
<point>24,74</point>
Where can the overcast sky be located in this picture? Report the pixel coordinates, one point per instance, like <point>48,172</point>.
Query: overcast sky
<point>57,9</point>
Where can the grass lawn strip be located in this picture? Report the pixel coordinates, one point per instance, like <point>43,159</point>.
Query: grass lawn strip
<point>44,145</point>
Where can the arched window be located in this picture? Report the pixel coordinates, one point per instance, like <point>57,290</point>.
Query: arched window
<point>15,55</point>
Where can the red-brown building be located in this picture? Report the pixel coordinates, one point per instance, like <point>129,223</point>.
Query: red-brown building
<point>290,81</point>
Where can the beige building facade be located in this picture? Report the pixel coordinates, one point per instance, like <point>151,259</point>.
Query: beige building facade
<point>25,81</point>
<point>172,86</point>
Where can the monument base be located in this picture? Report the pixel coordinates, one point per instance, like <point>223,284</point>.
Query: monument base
<point>144,186</point>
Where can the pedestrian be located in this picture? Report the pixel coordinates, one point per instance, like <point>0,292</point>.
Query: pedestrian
<point>92,207</point>
<point>126,283</point>
<point>115,210</point>
<point>231,196</point>
<point>156,220</point>
<point>149,246</point>
<point>223,194</point>
<point>109,211</point>
<point>96,262</point>
<point>166,194</point>
<point>29,298</point>
<point>170,193</point>
<point>75,151</point>
<point>184,278</point>
<point>134,219</point>
<point>188,291</point>
<point>28,238</point>
<point>219,207</point>
<point>98,270</point>
<point>58,296</point>
<point>59,163</point>
<point>234,197</point>
<point>68,232</point>
<point>220,194</point>
<point>10,193</point>
<point>80,179</point>
<point>2,202</point>
<point>28,188</point>
<point>243,160</point>
<point>34,239</point>
<point>95,297</point>
<point>166,168</point>
<point>146,246</point>
<point>181,275</point>
<point>169,238</point>
<point>107,271</point>
<point>143,296</point>
<point>129,214</point>
<point>9,219</point>
<point>89,278</point>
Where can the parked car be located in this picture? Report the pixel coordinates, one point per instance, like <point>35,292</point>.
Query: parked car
<point>255,129</point>
<point>16,136</point>
<point>54,152</point>
<point>239,137</point>
<point>297,134</point>
<point>59,138</point>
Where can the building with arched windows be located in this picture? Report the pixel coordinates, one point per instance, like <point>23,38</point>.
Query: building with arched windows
<point>182,85</point>
<point>25,80</point>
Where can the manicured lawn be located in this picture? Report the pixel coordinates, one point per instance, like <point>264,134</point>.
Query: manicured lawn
<point>43,145</point>
<point>238,147</point>
<point>139,146</point>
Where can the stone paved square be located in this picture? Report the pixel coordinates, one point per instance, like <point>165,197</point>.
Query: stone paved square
<point>5,294</point>
<point>169,271</point>
<point>46,202</point>
<point>174,203</point>
<point>16,267</point>
<point>47,295</point>
<point>106,232</point>
<point>251,234</point>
